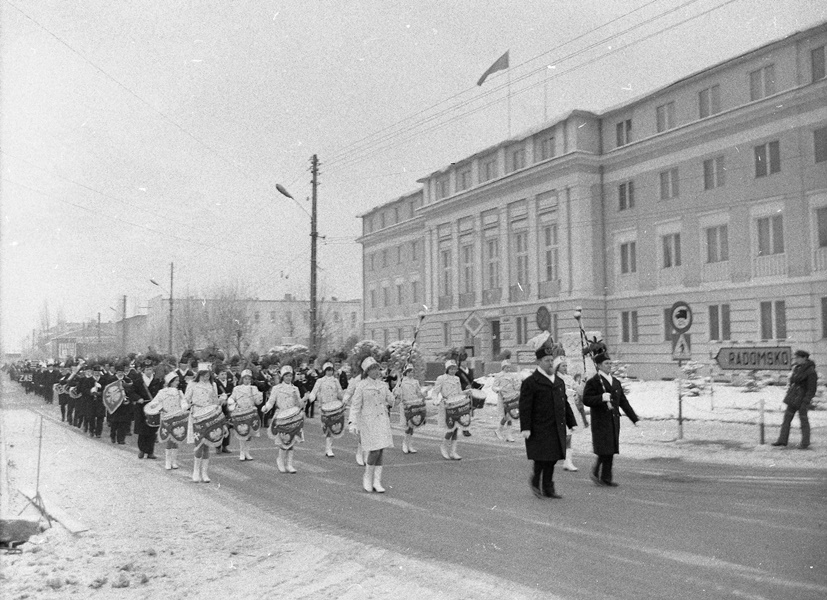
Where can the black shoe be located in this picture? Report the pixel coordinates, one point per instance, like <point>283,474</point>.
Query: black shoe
<point>551,494</point>
<point>122,443</point>
<point>466,433</point>
<point>152,456</point>
<point>779,443</point>
<point>609,483</point>
<point>596,479</point>
<point>534,489</point>
<point>140,454</point>
<point>803,446</point>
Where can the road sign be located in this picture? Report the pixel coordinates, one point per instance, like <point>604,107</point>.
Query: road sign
<point>681,347</point>
<point>681,316</point>
<point>525,357</point>
<point>543,319</point>
<point>745,358</point>
<point>473,324</point>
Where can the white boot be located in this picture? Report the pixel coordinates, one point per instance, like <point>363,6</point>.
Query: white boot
<point>196,470</point>
<point>290,468</point>
<point>280,462</point>
<point>167,459</point>
<point>568,465</point>
<point>247,454</point>
<point>328,447</point>
<point>360,459</point>
<point>205,468</point>
<point>367,478</point>
<point>499,433</point>
<point>453,455</point>
<point>405,449</point>
<point>443,448</point>
<point>409,439</point>
<point>173,457</point>
<point>377,480</point>
<point>241,455</point>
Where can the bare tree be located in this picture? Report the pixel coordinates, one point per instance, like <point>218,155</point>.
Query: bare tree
<point>190,321</point>
<point>229,325</point>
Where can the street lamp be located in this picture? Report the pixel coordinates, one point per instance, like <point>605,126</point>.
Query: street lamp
<point>171,301</point>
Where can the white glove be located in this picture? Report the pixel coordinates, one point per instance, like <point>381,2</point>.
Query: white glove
<point>352,428</point>
<point>607,397</point>
<point>526,434</point>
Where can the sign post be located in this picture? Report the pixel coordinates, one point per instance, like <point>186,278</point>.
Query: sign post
<point>681,318</point>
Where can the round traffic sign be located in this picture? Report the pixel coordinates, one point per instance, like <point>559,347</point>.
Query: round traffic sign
<point>543,319</point>
<point>681,316</point>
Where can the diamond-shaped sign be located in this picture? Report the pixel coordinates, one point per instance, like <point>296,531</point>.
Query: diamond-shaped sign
<point>473,324</point>
<point>681,347</point>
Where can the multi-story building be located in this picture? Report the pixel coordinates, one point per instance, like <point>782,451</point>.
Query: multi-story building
<point>711,190</point>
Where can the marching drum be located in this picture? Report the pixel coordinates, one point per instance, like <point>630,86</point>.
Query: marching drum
<point>174,425</point>
<point>333,418</point>
<point>457,412</point>
<point>511,407</point>
<point>246,422</point>
<point>478,398</point>
<point>152,412</point>
<point>285,426</point>
<point>415,413</point>
<point>208,425</point>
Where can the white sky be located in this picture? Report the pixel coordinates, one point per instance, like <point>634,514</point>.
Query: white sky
<point>139,133</point>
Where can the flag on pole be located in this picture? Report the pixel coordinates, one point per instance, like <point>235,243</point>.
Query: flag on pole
<point>499,65</point>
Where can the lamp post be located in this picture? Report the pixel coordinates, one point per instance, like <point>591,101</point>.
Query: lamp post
<point>171,301</point>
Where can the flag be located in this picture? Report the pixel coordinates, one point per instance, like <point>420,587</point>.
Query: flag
<point>500,64</point>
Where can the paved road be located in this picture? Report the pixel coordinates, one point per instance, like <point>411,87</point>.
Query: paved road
<point>672,529</point>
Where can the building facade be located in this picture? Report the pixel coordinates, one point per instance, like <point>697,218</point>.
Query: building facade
<point>710,191</point>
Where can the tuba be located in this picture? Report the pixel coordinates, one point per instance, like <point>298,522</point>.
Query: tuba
<point>74,393</point>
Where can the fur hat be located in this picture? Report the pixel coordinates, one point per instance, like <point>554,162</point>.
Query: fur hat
<point>450,363</point>
<point>286,369</point>
<point>368,363</point>
<point>169,377</point>
<point>326,366</point>
<point>246,373</point>
<point>802,354</point>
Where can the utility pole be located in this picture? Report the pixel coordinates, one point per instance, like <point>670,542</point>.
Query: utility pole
<point>171,270</point>
<point>314,166</point>
<point>123,328</point>
<point>99,333</point>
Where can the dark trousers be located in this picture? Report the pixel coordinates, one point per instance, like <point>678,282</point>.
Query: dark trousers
<point>118,430</point>
<point>603,467</point>
<point>309,409</point>
<point>95,425</point>
<point>784,435</point>
<point>70,412</point>
<point>146,443</point>
<point>543,477</point>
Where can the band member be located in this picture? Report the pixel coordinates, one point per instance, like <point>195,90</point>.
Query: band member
<point>604,395</point>
<point>63,394</point>
<point>83,403</point>
<point>172,400</point>
<point>408,392</point>
<point>369,417</point>
<point>341,373</point>
<point>50,377</point>
<point>306,377</point>
<point>574,396</point>
<point>145,385</point>
<point>244,396</point>
<point>224,385</point>
<point>268,378</point>
<point>466,378</point>
<point>185,373</point>
<point>544,416</point>
<point>120,419</point>
<point>327,389</point>
<point>285,395</point>
<point>507,387</point>
<point>448,386</point>
<point>72,413</point>
<point>347,399</point>
<point>200,397</point>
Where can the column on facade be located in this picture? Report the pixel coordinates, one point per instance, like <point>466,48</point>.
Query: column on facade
<point>429,293</point>
<point>533,248</point>
<point>455,258</point>
<point>505,256</point>
<point>479,264</point>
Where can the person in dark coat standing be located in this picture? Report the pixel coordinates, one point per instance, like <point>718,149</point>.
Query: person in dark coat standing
<point>604,395</point>
<point>120,419</point>
<point>144,387</point>
<point>801,390</point>
<point>544,416</point>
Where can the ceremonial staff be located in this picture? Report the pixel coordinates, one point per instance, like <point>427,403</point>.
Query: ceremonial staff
<point>409,360</point>
<point>589,347</point>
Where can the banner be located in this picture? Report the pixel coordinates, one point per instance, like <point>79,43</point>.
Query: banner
<point>113,396</point>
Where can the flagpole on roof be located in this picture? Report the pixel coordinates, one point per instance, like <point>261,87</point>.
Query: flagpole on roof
<point>508,71</point>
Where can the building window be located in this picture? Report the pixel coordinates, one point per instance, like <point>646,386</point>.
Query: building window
<point>767,159</point>
<point>386,296</point>
<point>521,258</point>
<point>445,275</point>
<point>817,63</point>
<point>384,258</point>
<point>516,159</point>
<point>771,235</point>
<point>256,317</point>
<point>272,316</point>
<point>624,132</point>
<point>399,294</point>
<point>415,291</point>
<point>381,220</point>
<point>443,188</point>
<point>709,101</point>
<point>671,250</point>
<point>446,335</point>
<point>665,116</point>
<point>626,195</point>
<point>628,326</point>
<point>371,262</point>
<point>547,147</point>
<point>368,225</point>
<point>353,320</point>
<point>668,329</point>
<point>820,144</point>
<point>821,224</point>
<point>719,322</point>
<point>550,252</point>
<point>489,169</point>
<point>714,172</point>
<point>464,178</point>
<point>467,252</point>
<point>628,257</point>
<point>773,320</point>
<point>373,298</point>
<point>762,83</point>
<point>492,263</point>
<point>414,251</point>
<point>717,244</point>
<point>522,330</point>
<point>669,184</point>
<point>400,333</point>
<point>399,255</point>
<point>396,214</point>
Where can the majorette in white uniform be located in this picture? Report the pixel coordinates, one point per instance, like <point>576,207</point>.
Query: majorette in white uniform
<point>244,397</point>
<point>328,391</point>
<point>409,393</point>
<point>446,387</point>
<point>201,396</point>
<point>369,416</point>
<point>507,386</point>
<point>285,395</point>
<point>172,401</point>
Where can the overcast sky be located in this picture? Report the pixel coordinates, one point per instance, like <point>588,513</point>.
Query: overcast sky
<point>135,134</point>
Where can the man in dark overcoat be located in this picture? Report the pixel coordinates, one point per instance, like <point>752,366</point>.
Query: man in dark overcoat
<point>801,391</point>
<point>604,395</point>
<point>123,415</point>
<point>544,416</point>
<point>144,387</point>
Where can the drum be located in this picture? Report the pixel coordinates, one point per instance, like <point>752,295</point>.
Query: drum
<point>208,426</point>
<point>511,407</point>
<point>415,413</point>
<point>478,398</point>
<point>457,412</point>
<point>152,412</point>
<point>246,422</point>
<point>333,419</point>
<point>174,425</point>
<point>285,426</point>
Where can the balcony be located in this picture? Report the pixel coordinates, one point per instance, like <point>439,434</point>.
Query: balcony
<point>549,289</point>
<point>467,299</point>
<point>820,259</point>
<point>770,265</point>
<point>492,296</point>
<point>671,277</point>
<point>715,271</point>
<point>519,293</point>
<point>445,302</point>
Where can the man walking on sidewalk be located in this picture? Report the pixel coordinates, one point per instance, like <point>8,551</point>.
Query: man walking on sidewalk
<point>802,389</point>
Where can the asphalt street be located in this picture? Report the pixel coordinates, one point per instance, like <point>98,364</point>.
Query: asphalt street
<point>671,529</point>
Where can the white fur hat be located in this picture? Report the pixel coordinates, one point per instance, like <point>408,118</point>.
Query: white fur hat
<point>169,377</point>
<point>286,369</point>
<point>449,364</point>
<point>246,373</point>
<point>368,363</point>
<point>326,366</point>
